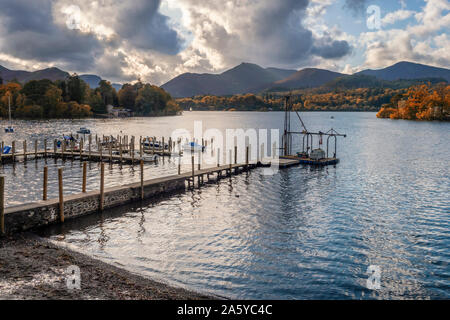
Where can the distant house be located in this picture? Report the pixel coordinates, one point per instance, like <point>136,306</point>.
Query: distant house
<point>118,112</point>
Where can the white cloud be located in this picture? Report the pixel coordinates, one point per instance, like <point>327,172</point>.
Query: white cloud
<point>399,15</point>
<point>424,42</point>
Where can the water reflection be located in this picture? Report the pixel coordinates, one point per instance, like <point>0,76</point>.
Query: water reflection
<point>303,233</point>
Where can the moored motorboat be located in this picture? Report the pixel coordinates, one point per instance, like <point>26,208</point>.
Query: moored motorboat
<point>84,130</point>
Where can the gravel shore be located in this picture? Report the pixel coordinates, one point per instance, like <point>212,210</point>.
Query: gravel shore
<point>32,268</point>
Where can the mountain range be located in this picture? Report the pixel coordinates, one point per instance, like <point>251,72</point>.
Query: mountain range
<point>251,78</point>
<point>52,74</point>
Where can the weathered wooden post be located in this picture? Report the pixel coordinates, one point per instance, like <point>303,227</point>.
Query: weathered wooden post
<point>120,153</point>
<point>231,160</point>
<point>262,151</point>
<point>83,189</point>
<point>246,158</point>
<point>235,154</point>
<point>13,147</point>
<point>193,171</point>
<point>179,165</point>
<point>61,194</point>
<point>199,160</point>
<point>2,204</point>
<point>110,153</point>
<point>81,149</point>
<point>102,186</point>
<point>142,179</point>
<point>218,157</point>
<point>163,147</point>
<point>44,193</point>
<point>154,142</point>
<point>101,152</point>
<point>25,150</point>
<point>55,146</point>
<point>89,150</point>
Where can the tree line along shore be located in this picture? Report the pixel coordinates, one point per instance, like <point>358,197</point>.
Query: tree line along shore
<point>73,98</point>
<point>421,102</point>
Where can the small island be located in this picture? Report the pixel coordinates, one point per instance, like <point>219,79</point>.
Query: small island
<point>423,102</point>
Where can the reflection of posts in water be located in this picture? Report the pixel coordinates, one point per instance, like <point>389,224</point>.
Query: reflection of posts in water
<point>25,150</point>
<point>102,186</point>
<point>45,184</point>
<point>142,179</point>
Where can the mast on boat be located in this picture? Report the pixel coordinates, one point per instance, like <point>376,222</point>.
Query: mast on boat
<point>9,108</point>
<point>9,129</point>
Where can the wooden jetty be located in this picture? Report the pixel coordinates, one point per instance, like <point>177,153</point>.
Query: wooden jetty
<point>57,210</point>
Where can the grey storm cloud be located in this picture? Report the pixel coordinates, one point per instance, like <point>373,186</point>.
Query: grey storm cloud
<point>27,31</point>
<point>262,31</point>
<point>144,27</point>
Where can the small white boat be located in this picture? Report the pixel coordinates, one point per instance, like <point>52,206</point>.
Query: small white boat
<point>193,146</point>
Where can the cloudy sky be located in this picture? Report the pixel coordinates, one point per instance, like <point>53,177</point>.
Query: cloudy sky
<point>155,40</point>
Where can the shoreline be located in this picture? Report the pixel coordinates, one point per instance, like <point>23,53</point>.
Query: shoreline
<point>34,268</point>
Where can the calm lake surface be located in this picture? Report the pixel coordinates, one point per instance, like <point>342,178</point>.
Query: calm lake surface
<point>304,233</point>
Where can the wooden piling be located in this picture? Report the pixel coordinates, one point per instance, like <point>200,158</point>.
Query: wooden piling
<point>235,154</point>
<point>193,170</point>
<point>61,194</point>
<point>2,205</point>
<point>13,147</point>
<point>83,189</point>
<point>199,160</point>
<point>179,165</point>
<point>81,149</point>
<point>25,150</point>
<point>246,158</point>
<point>45,184</point>
<point>90,142</point>
<point>102,186</point>
<point>218,157</point>
<point>142,179</point>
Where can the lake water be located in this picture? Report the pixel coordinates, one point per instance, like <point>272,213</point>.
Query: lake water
<point>304,233</point>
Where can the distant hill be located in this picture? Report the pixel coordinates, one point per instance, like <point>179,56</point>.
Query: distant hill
<point>408,70</point>
<point>251,78</point>
<point>25,76</point>
<point>244,78</point>
<point>364,81</point>
<point>307,78</point>
<point>52,74</point>
<point>93,81</point>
